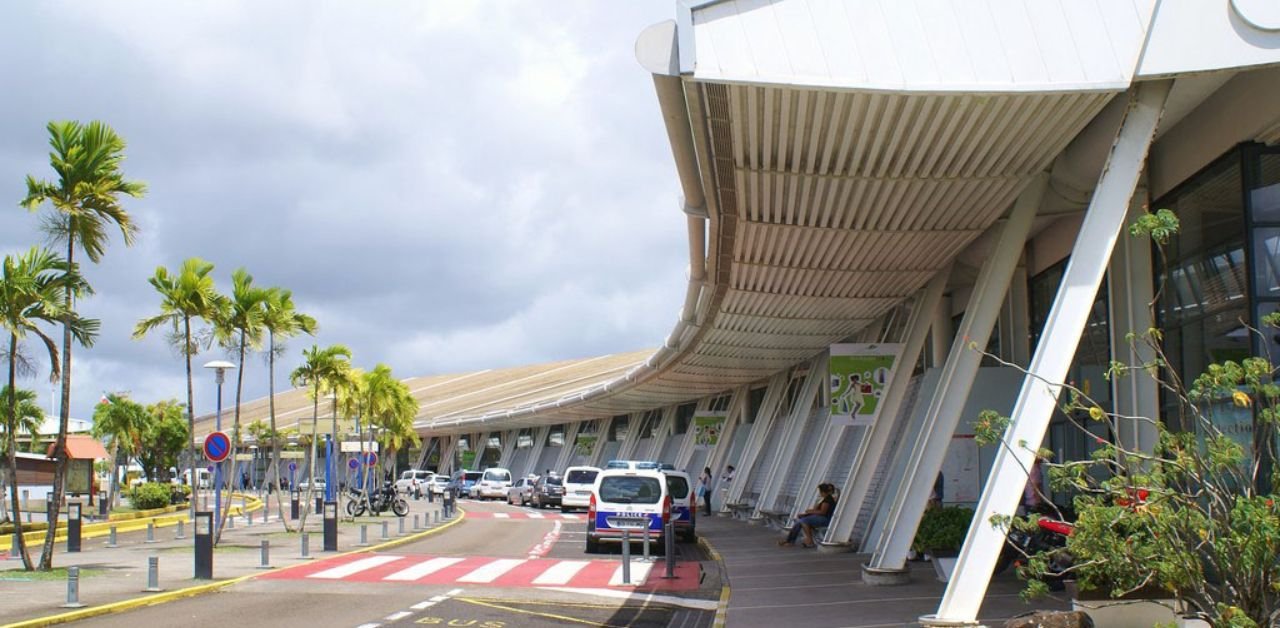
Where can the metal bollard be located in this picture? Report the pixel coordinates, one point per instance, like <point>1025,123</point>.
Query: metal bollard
<point>401,524</point>
<point>266,555</point>
<point>231,521</point>
<point>626,557</point>
<point>670,538</point>
<point>248,518</point>
<point>151,532</point>
<point>265,511</point>
<point>647,558</point>
<point>73,588</point>
<point>14,554</point>
<point>435,518</point>
<point>306,545</point>
<point>364,535</point>
<point>153,575</point>
<point>384,531</point>
<point>179,535</point>
<point>111,538</point>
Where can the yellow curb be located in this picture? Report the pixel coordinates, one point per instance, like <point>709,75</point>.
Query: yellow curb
<point>722,608</point>
<point>138,522</point>
<point>200,589</point>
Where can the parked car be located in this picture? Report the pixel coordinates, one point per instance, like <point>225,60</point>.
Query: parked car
<point>439,482</point>
<point>493,484</point>
<point>317,483</point>
<point>405,483</point>
<point>519,492</point>
<point>463,481</point>
<point>547,491</point>
<point>622,500</point>
<point>684,504</point>
<point>577,487</point>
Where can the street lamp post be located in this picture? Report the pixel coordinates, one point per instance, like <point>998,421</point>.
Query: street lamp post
<point>330,466</point>
<point>220,368</point>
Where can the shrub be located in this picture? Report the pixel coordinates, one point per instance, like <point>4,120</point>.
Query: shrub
<point>149,495</point>
<point>942,529</point>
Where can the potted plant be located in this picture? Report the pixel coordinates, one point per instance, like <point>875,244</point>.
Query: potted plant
<point>1195,520</point>
<point>940,535</point>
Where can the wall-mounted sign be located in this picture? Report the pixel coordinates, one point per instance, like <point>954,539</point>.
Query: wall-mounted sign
<point>860,374</point>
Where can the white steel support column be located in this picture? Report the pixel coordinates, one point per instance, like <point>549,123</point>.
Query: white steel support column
<point>773,396</point>
<point>570,445</point>
<point>539,443</point>
<point>426,451</point>
<point>1103,221</point>
<point>1015,324</point>
<point>663,432</point>
<point>448,444</point>
<point>956,380</point>
<point>508,447</point>
<point>1131,292</point>
<point>627,450</point>
<point>862,468</point>
<point>940,331</point>
<point>685,454</point>
<point>815,380</point>
<point>602,438</point>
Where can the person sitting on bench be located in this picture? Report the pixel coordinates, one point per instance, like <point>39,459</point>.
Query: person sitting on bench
<point>817,517</point>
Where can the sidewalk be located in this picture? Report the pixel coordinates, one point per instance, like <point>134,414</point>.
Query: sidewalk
<point>779,586</point>
<point>114,575</point>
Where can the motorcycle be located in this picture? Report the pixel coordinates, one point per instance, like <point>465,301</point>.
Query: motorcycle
<point>385,498</point>
<point>1050,537</point>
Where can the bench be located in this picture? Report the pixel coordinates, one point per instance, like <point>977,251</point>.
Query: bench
<point>777,518</point>
<point>739,510</point>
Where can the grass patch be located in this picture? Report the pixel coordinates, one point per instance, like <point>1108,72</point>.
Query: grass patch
<point>55,574</point>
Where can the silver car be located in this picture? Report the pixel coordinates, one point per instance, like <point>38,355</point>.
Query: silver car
<point>520,492</point>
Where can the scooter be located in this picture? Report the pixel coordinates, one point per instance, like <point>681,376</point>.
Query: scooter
<point>1050,536</point>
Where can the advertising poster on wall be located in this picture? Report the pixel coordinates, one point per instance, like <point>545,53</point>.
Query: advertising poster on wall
<point>860,374</point>
<point>707,428</point>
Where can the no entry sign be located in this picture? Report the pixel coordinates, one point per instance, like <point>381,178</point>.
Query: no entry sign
<point>217,446</point>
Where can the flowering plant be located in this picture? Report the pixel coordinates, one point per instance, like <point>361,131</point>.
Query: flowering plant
<point>1196,516</point>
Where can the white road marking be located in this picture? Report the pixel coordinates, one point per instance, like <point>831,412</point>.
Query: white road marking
<point>354,567</point>
<point>398,616</point>
<point>639,572</point>
<point>368,626</point>
<point>424,568</point>
<point>561,573</point>
<point>423,605</point>
<point>536,515</point>
<point>622,594</point>
<point>493,570</point>
<point>501,515</point>
<point>570,517</point>
<point>453,592</point>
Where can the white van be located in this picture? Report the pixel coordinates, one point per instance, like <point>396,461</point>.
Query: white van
<point>578,482</point>
<point>405,483</point>
<point>493,484</point>
<point>626,500</point>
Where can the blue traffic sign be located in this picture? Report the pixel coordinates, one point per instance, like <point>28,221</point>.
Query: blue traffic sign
<point>371,458</point>
<point>217,446</point>
<point>293,466</point>
<point>353,464</point>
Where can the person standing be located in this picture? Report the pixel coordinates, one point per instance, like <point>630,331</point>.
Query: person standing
<point>704,489</point>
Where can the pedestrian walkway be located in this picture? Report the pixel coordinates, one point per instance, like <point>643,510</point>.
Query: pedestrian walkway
<point>524,515</point>
<point>781,586</point>
<point>498,572</point>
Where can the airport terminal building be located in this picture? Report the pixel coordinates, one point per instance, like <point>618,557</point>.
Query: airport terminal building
<point>873,189</point>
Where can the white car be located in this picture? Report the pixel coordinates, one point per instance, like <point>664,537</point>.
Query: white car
<point>627,501</point>
<point>438,484</point>
<point>405,483</point>
<point>577,487</point>
<point>493,484</point>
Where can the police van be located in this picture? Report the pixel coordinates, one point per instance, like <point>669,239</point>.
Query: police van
<point>625,500</point>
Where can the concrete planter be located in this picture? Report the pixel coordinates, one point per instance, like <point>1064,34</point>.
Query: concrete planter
<point>1128,613</point>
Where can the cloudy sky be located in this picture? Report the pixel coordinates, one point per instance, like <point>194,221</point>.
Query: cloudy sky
<point>445,186</point>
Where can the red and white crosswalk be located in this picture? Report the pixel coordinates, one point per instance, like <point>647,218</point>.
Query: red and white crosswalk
<point>498,572</point>
<point>521,515</point>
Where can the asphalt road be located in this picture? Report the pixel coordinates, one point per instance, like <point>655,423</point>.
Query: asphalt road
<point>490,572</point>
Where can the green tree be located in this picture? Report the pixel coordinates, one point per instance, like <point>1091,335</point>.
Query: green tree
<point>85,200</point>
<point>319,371</point>
<point>32,287</point>
<point>188,295</point>
<point>281,320</point>
<point>164,439</point>
<point>121,422</point>
<point>391,410</point>
<point>25,416</point>
<point>240,328</point>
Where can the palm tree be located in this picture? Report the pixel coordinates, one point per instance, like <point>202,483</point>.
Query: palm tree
<point>121,421</point>
<point>188,294</point>
<point>29,419</point>
<point>32,288</point>
<point>282,320</point>
<point>85,199</point>
<point>391,409</point>
<point>319,370</point>
<point>240,327</point>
